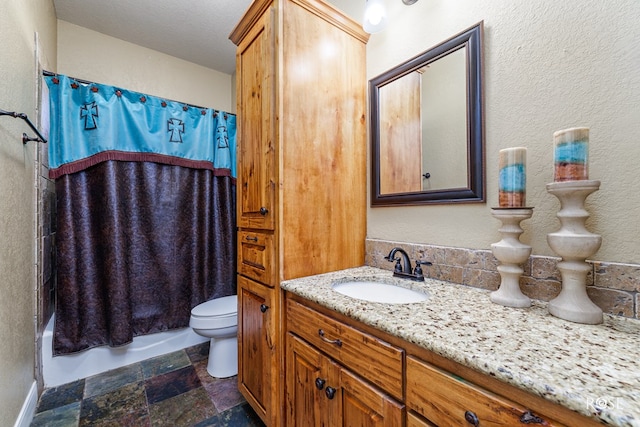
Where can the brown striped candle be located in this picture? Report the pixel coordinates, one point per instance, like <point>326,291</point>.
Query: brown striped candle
<point>513,178</point>
<point>571,154</point>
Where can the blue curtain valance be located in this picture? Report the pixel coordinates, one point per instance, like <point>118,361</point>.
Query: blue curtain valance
<point>94,123</point>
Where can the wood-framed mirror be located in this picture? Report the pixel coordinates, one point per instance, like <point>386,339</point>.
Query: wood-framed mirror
<point>427,126</point>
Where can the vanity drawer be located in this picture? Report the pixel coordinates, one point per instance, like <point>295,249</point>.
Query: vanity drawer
<point>447,400</point>
<point>256,256</point>
<point>373,359</point>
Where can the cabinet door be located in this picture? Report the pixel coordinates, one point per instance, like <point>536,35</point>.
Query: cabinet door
<point>255,65</point>
<point>322,393</point>
<point>309,374</point>
<point>257,360</point>
<point>365,406</point>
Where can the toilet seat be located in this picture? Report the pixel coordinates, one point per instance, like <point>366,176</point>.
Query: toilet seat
<point>216,313</point>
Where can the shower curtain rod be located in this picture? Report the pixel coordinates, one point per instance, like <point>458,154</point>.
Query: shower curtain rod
<point>87,82</point>
<point>25,138</point>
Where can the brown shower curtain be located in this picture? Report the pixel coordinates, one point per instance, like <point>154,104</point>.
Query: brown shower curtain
<point>138,245</point>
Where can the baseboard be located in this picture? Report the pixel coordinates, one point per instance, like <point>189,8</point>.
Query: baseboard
<point>28,407</point>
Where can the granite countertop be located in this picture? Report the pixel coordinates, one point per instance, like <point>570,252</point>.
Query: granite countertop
<point>591,369</point>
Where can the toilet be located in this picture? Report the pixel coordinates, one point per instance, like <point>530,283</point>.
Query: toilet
<point>218,319</point>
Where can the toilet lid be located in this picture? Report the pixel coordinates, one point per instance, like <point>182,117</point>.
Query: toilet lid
<point>217,307</point>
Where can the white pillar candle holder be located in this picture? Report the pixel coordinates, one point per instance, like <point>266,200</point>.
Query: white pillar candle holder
<point>574,243</point>
<point>512,254</point>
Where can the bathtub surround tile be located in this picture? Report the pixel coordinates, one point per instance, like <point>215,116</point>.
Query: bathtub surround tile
<point>614,287</point>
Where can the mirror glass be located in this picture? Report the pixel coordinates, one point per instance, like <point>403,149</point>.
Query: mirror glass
<point>426,126</point>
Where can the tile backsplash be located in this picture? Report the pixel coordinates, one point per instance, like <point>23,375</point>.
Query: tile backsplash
<point>614,287</point>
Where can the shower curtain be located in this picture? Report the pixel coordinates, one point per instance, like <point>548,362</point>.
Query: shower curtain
<point>145,212</point>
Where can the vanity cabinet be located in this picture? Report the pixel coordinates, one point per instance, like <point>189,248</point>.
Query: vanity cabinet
<point>397,381</point>
<point>301,185</point>
<point>323,392</point>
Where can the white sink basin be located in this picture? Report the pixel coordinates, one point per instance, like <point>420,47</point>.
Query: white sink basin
<point>379,292</point>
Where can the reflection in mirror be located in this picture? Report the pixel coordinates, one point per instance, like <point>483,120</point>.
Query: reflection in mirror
<point>444,122</point>
<point>426,126</point>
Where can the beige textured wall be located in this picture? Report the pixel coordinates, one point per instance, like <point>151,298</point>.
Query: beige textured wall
<point>549,65</point>
<point>93,56</point>
<point>19,20</point>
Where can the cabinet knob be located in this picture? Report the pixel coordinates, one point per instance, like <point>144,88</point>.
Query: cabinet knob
<point>251,238</point>
<point>264,308</point>
<point>471,418</point>
<point>327,340</point>
<point>320,383</point>
<point>330,392</point>
<point>263,211</point>
<point>529,418</point>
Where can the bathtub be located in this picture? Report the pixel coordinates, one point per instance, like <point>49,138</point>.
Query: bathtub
<point>65,369</point>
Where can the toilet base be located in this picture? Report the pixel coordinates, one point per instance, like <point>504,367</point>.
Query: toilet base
<point>223,357</point>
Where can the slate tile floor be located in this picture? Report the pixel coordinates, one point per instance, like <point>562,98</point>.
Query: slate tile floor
<point>170,390</point>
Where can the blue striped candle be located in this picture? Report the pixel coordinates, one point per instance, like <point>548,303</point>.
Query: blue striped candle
<point>513,177</point>
<point>571,154</point>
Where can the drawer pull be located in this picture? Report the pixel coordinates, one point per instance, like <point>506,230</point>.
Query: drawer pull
<point>471,418</point>
<point>327,340</point>
<point>251,239</point>
<point>529,418</point>
<point>330,392</point>
<point>264,308</point>
<point>320,383</point>
<point>263,211</point>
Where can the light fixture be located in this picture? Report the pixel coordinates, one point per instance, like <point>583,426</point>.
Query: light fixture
<point>375,16</point>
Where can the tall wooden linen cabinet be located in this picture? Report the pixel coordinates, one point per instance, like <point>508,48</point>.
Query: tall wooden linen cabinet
<point>301,190</point>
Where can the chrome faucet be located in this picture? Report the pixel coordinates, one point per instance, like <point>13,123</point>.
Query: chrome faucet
<point>403,269</point>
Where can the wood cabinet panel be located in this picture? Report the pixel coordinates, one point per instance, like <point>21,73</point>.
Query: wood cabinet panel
<point>301,185</point>
<point>256,256</point>
<point>364,405</point>
<point>320,392</point>
<point>308,373</point>
<point>256,139</point>
<point>373,359</point>
<point>416,421</point>
<point>258,363</point>
<point>447,400</point>
<point>323,152</point>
